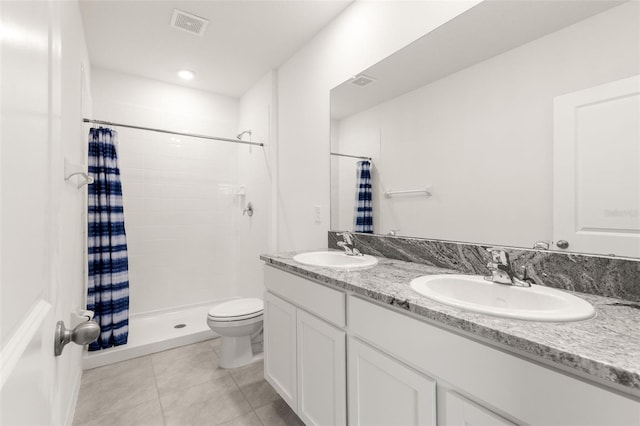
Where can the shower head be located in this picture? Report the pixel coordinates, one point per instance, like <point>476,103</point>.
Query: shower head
<point>239,136</point>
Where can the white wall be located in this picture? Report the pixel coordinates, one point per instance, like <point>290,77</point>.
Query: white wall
<point>363,34</point>
<point>483,137</point>
<point>181,212</point>
<point>256,171</point>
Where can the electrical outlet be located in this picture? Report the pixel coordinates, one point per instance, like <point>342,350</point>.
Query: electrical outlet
<point>317,214</point>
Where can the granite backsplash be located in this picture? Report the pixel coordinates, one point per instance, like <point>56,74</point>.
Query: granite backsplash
<point>603,276</point>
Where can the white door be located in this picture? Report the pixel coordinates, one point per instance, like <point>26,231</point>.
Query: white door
<point>384,391</point>
<point>596,201</point>
<point>280,348</point>
<point>29,58</point>
<point>322,372</point>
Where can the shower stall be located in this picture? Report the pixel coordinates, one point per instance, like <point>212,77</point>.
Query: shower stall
<point>189,244</point>
<point>184,194</point>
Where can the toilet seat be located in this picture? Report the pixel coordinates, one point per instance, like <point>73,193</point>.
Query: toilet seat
<point>236,310</point>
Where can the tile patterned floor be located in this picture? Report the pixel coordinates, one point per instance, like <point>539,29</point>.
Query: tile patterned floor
<point>182,386</point>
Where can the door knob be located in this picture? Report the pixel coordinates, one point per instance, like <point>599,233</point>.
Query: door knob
<point>83,334</point>
<point>563,244</point>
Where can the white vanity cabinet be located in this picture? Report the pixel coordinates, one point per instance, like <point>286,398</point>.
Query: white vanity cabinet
<point>305,347</point>
<point>326,350</point>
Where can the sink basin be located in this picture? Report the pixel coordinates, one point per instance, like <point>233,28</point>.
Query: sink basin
<point>335,259</point>
<point>474,293</point>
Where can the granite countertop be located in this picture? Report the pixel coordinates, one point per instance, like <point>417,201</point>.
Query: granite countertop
<point>606,347</point>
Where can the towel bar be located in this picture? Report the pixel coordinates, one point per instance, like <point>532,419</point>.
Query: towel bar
<point>426,191</point>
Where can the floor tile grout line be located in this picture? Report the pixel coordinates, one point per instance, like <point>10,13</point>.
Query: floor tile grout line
<point>191,384</point>
<point>240,389</point>
<point>259,419</point>
<point>182,347</point>
<point>244,395</point>
<point>183,388</point>
<point>155,381</point>
<point>253,409</point>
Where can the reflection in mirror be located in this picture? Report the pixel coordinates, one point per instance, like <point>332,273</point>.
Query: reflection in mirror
<point>515,123</point>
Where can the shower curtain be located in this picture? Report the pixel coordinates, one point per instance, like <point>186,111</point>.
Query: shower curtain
<point>108,265</point>
<point>364,203</point>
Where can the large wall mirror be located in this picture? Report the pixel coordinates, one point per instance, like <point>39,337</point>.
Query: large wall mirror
<point>516,122</point>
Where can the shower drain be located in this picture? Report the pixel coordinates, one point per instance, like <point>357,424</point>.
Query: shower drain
<point>180,326</point>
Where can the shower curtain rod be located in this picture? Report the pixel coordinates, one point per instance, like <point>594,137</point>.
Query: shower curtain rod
<point>193,135</point>
<point>350,156</point>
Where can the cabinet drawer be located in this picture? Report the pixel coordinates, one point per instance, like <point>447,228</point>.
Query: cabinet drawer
<point>311,296</point>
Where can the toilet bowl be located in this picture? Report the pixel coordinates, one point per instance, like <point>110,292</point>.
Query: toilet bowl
<point>236,321</point>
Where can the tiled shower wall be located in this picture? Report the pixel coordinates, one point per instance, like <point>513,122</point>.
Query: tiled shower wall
<point>181,212</point>
<point>179,198</point>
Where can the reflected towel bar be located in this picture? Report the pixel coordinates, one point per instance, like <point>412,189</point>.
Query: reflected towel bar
<point>350,156</point>
<point>426,191</point>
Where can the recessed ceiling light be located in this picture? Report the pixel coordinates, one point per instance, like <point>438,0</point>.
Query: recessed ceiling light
<point>186,74</point>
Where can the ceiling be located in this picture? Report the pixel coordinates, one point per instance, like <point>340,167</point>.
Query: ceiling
<point>242,42</point>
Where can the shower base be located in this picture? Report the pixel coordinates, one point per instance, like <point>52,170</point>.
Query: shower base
<point>157,331</point>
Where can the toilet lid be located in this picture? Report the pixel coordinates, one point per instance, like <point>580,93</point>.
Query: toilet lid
<point>237,309</point>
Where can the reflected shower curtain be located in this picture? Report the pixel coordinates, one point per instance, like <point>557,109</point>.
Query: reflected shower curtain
<point>364,202</point>
<point>108,285</point>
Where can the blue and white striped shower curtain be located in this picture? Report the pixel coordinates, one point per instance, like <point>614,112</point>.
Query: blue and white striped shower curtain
<point>108,286</point>
<point>364,203</point>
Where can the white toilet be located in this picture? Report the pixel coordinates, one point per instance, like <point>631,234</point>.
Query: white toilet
<point>236,321</point>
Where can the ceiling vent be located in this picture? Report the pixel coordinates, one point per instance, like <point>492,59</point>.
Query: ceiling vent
<point>362,80</point>
<point>187,22</point>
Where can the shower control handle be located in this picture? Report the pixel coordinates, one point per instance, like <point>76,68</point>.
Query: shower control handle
<point>248,210</point>
<point>83,334</point>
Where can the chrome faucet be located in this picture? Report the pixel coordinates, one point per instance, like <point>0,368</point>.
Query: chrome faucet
<point>501,270</point>
<point>347,244</point>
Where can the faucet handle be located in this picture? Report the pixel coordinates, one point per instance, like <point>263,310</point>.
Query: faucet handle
<point>499,256</point>
<point>347,236</point>
<point>541,245</point>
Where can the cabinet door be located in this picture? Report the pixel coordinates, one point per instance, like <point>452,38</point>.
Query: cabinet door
<point>384,391</point>
<point>321,372</point>
<point>461,412</point>
<point>280,347</point>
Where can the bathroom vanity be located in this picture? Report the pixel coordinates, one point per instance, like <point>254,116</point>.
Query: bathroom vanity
<point>361,347</point>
